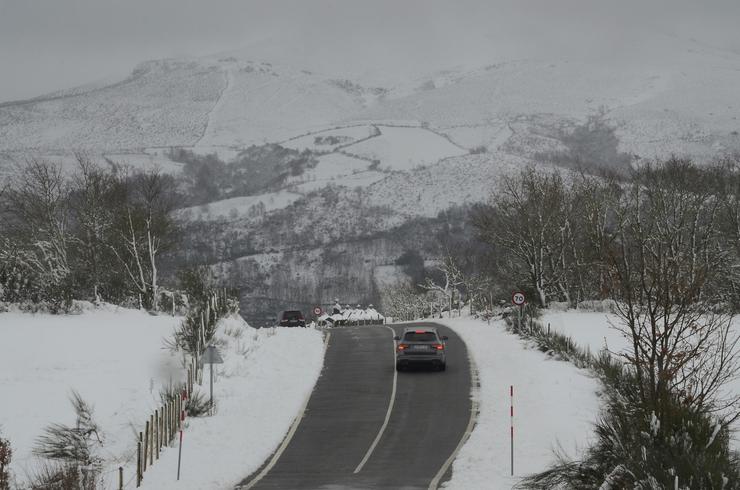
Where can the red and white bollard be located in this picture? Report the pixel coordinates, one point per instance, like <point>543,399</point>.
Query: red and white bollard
<point>511,394</point>
<point>179,452</point>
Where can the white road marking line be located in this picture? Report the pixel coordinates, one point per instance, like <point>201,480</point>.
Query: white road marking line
<point>387,414</point>
<point>288,437</point>
<point>468,430</point>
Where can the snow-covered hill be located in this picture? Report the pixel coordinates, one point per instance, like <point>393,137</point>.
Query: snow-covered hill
<point>382,156</point>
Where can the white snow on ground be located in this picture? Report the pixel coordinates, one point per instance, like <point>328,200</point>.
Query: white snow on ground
<point>403,148</point>
<point>267,376</point>
<point>115,359</point>
<point>593,330</point>
<point>111,356</point>
<point>236,207</point>
<point>555,405</point>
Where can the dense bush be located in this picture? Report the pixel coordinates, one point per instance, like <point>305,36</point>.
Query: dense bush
<point>687,449</point>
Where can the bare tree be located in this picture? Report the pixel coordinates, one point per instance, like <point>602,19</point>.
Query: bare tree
<point>38,219</point>
<point>528,218</point>
<point>93,203</point>
<point>145,229</point>
<point>664,259</point>
<point>452,279</point>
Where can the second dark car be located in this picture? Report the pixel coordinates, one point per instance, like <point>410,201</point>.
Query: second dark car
<point>291,318</point>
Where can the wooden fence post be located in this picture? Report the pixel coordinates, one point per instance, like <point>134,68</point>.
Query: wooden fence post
<point>151,440</point>
<point>167,424</point>
<point>163,426</point>
<point>138,460</point>
<point>155,438</point>
<point>146,443</point>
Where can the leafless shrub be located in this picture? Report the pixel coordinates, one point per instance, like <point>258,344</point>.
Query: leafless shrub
<point>73,449</point>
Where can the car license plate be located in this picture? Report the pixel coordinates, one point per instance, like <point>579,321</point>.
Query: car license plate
<point>421,347</point>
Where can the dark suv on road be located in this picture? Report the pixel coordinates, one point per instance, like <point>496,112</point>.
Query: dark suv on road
<point>291,318</point>
<point>420,346</point>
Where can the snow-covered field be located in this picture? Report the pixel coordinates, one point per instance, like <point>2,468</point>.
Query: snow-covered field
<point>330,139</point>
<point>596,331</point>
<point>403,148</point>
<point>115,358</point>
<point>555,405</point>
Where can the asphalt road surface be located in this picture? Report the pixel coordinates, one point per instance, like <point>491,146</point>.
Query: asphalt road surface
<point>358,432</point>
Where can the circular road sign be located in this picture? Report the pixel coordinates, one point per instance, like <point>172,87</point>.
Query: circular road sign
<point>317,311</point>
<point>518,298</point>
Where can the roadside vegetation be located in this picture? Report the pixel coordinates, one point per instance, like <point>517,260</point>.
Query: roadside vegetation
<point>661,245</point>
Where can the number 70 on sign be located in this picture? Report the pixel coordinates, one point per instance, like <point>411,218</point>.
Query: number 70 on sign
<point>518,298</point>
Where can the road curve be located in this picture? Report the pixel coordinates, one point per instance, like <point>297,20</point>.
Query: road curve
<point>347,419</point>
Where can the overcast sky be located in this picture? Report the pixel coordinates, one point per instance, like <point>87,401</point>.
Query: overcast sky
<point>47,45</point>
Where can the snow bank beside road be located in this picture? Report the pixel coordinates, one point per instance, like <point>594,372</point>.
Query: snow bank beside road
<point>266,377</point>
<point>555,405</point>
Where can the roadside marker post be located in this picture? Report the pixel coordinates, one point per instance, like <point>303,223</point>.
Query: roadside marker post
<point>179,452</point>
<point>511,394</point>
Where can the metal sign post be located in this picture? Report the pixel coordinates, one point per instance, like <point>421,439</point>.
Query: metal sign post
<point>518,299</point>
<point>212,356</point>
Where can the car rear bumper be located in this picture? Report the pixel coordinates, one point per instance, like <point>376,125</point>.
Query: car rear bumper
<point>420,359</point>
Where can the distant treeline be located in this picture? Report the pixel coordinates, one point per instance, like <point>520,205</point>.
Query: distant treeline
<point>255,170</point>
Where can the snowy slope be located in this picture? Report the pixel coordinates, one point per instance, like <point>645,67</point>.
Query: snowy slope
<point>161,103</point>
<point>262,103</point>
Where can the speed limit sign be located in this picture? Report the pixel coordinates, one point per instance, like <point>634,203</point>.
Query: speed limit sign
<point>317,311</point>
<point>518,298</point>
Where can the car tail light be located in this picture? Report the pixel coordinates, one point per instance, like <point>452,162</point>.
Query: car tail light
<point>402,346</point>
<point>439,346</point>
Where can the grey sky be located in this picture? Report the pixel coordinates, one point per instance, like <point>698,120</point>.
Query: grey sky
<point>52,44</point>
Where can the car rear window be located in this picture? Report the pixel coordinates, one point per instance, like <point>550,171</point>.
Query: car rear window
<point>420,336</point>
<point>292,315</point>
